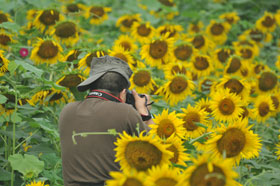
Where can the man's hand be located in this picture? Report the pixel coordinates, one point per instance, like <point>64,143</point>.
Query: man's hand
<point>140,103</point>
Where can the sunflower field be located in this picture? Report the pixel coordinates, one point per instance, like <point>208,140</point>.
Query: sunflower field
<point>210,66</point>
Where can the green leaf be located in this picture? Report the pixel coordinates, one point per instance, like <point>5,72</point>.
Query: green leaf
<point>4,175</point>
<point>10,26</point>
<point>38,72</point>
<point>3,99</point>
<point>30,166</point>
<point>12,66</point>
<point>15,117</point>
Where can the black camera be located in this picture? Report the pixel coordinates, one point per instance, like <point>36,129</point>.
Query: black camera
<point>130,98</point>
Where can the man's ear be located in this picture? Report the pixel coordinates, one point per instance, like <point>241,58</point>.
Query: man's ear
<point>123,95</point>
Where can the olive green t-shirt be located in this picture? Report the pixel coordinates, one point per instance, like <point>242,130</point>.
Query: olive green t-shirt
<point>92,158</point>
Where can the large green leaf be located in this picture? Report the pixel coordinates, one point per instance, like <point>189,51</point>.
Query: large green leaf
<point>4,175</point>
<point>30,166</point>
<point>30,67</point>
<point>3,99</point>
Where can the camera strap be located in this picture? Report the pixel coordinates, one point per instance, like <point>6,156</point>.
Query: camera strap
<point>103,95</point>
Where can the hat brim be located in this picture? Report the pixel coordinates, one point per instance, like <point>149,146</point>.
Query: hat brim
<point>85,84</point>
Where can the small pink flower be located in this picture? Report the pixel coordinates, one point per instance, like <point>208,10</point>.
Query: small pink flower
<point>23,52</point>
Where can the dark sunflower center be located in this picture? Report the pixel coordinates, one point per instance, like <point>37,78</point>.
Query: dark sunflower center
<point>268,21</point>
<point>126,45</point>
<point>226,106</point>
<point>256,35</point>
<point>217,29</point>
<point>65,30</point>
<point>158,49</point>
<point>128,22</point>
<point>178,85</point>
<point>177,70</point>
<point>56,96</point>
<point>203,177</point>
<point>73,56</point>
<point>4,39</point>
<point>206,85</point>
<point>142,155</point>
<point>267,81</point>
<point>143,31</point>
<point>244,72</point>
<point>246,53</point>
<point>73,8</point>
<point>47,50</point>
<point>207,108</point>
<point>195,28</point>
<point>232,142</point>
<point>167,30</point>
<point>3,18</point>
<point>165,181</point>
<point>132,182</point>
<point>142,78</point>
<point>121,56</point>
<point>234,85</point>
<point>97,12</point>
<point>223,55</point>
<point>166,2</point>
<point>49,17</point>
<point>198,42</point>
<point>175,157</point>
<point>263,109</point>
<point>201,63</point>
<point>275,101</point>
<point>245,112</point>
<point>258,68</point>
<point>230,20</point>
<point>165,128</point>
<point>190,119</point>
<point>70,80</point>
<point>235,64</point>
<point>183,52</point>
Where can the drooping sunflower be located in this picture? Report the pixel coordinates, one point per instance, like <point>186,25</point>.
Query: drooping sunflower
<point>230,17</point>
<point>127,178</point>
<point>221,56</point>
<point>164,176</point>
<point>120,52</point>
<point>5,39</point>
<point>3,62</point>
<point>56,97</point>
<point>217,31</point>
<point>267,23</point>
<point>263,108</point>
<point>46,51</point>
<point>126,21</point>
<point>233,65</point>
<point>267,82</point>
<point>167,124</point>
<point>176,89</point>
<point>171,69</point>
<point>169,30</point>
<point>39,97</point>
<point>202,43</point>
<point>73,8</point>
<point>127,43</point>
<point>141,153</point>
<point>157,51</point>
<point>72,56</point>
<point>71,80</point>
<point>39,183</point>
<point>226,106</point>
<point>258,36</point>
<point>141,79</point>
<point>183,51</point>
<point>195,27</point>
<point>46,19</point>
<point>97,14</point>
<point>142,31</point>
<point>4,17</point>
<point>66,32</point>
<point>210,171</point>
<point>85,63</point>
<point>201,65</point>
<point>191,116</point>
<point>236,141</point>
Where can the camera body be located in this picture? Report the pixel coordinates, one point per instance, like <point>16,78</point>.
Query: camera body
<point>130,98</point>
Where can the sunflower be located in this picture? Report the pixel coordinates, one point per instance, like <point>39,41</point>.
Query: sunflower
<point>164,176</point>
<point>4,17</point>
<point>142,31</point>
<point>236,141</point>
<point>233,65</point>
<point>3,62</point>
<point>204,104</point>
<point>72,56</point>
<point>248,53</point>
<point>184,51</point>
<point>39,97</point>
<point>167,124</point>
<point>56,97</point>
<point>123,54</point>
<point>201,65</point>
<point>221,56</point>
<point>126,21</point>
<point>263,108</point>
<point>276,102</point>
<point>127,43</point>
<point>267,82</point>
<point>170,30</point>
<point>141,79</point>
<point>97,14</point>
<point>176,89</point>
<point>72,8</point>
<point>46,51</point>
<point>127,178</point>
<point>169,3</point>
<point>195,27</point>
<point>202,43</point>
<point>226,106</point>
<point>66,32</point>
<point>259,67</point>
<point>157,51</point>
<point>217,31</point>
<point>171,69</point>
<point>267,23</point>
<point>85,63</point>
<point>210,171</point>
<point>46,19</point>
<point>236,85</point>
<point>5,39</point>
<point>258,36</point>
<point>230,17</point>
<point>206,84</point>
<point>191,116</point>
<point>39,183</point>
<point>141,153</point>
<point>71,80</point>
